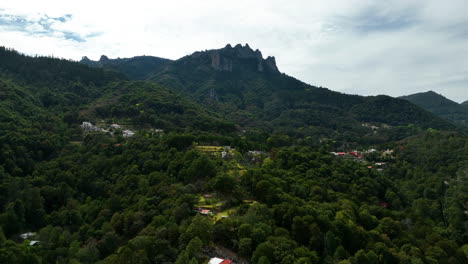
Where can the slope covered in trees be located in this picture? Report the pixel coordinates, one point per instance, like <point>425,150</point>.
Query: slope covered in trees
<point>441,106</point>
<point>197,181</point>
<point>249,90</point>
<point>136,68</point>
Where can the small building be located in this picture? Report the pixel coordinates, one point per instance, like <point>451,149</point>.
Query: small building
<point>223,154</point>
<point>27,235</point>
<point>205,212</point>
<point>128,133</point>
<point>227,148</point>
<point>388,152</point>
<point>371,150</point>
<point>87,126</point>
<point>341,153</point>
<point>219,261</point>
<point>34,242</point>
<point>115,126</point>
<point>255,152</point>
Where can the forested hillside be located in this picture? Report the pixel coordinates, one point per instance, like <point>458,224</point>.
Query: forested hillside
<point>96,168</point>
<point>240,84</point>
<point>441,106</point>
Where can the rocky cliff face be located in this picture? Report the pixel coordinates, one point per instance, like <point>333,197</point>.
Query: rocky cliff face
<point>230,58</point>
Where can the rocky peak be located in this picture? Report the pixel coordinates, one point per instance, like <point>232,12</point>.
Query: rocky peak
<point>85,59</point>
<point>103,59</point>
<point>229,57</point>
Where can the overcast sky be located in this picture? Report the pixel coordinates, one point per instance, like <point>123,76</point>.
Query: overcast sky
<point>367,47</point>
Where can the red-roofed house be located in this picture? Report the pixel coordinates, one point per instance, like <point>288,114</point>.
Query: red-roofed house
<point>219,261</point>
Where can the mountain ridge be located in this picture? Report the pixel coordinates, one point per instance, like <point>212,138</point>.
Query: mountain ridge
<point>242,86</point>
<point>441,106</point>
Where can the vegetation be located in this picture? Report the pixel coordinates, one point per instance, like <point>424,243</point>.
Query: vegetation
<point>274,192</point>
<point>437,104</point>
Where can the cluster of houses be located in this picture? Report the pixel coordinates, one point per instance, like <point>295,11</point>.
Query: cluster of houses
<point>28,236</point>
<point>351,154</point>
<point>359,154</point>
<point>359,157</point>
<point>89,127</point>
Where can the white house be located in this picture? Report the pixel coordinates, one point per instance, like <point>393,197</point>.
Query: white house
<point>128,133</point>
<point>87,126</point>
<point>34,242</point>
<point>27,235</point>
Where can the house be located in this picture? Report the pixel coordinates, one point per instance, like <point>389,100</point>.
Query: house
<point>205,212</point>
<point>223,154</point>
<point>371,150</point>
<point>227,148</point>
<point>388,152</point>
<point>34,243</point>
<point>87,126</point>
<point>128,133</point>
<point>219,261</point>
<point>27,235</point>
<point>115,126</point>
<point>341,153</point>
<point>369,167</point>
<point>255,152</point>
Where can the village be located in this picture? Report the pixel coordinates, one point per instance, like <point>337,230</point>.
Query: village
<point>371,158</point>
<point>113,129</point>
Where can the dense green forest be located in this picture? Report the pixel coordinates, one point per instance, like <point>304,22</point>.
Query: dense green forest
<point>441,106</point>
<point>217,176</point>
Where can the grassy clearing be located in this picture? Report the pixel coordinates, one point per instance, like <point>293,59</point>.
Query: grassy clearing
<point>209,148</point>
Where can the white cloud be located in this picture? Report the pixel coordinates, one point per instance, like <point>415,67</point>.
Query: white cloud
<point>367,47</point>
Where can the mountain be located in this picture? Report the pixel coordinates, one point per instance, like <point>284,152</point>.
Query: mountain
<point>135,68</point>
<point>250,90</point>
<point>440,106</point>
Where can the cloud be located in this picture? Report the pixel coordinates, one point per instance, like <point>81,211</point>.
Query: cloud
<point>370,47</point>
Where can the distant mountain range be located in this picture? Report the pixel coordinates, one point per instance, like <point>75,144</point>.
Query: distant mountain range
<point>441,106</point>
<point>242,86</point>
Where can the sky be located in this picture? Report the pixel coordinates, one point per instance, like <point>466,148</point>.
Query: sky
<point>366,47</point>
